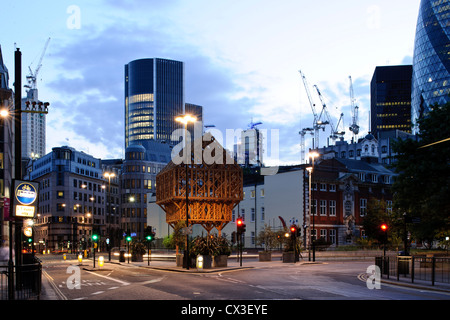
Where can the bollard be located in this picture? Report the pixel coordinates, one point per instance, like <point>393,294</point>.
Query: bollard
<point>80,258</point>
<point>64,257</point>
<point>200,263</point>
<point>100,261</point>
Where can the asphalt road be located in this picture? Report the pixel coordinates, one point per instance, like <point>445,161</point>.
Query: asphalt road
<point>335,280</point>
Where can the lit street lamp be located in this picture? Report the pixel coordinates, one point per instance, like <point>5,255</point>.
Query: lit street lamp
<point>185,119</point>
<point>312,155</point>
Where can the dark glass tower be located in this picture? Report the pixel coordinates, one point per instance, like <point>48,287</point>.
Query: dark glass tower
<point>431,64</point>
<point>390,99</point>
<point>153,98</point>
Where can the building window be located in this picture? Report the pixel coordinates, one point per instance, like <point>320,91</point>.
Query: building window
<point>323,234</point>
<point>389,206</point>
<point>323,207</point>
<point>332,188</point>
<point>362,207</point>
<point>332,207</point>
<point>252,214</point>
<point>313,207</point>
<point>323,187</point>
<point>332,236</point>
<point>263,217</point>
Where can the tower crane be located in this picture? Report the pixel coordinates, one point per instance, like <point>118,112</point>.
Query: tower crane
<point>32,78</point>
<point>334,130</point>
<point>317,124</point>
<point>252,125</point>
<point>354,127</point>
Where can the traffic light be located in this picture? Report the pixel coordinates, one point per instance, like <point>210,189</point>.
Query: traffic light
<point>384,227</point>
<point>95,237</point>
<point>240,225</point>
<point>128,236</point>
<point>149,234</point>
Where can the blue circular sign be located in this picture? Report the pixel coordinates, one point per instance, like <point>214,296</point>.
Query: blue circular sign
<point>26,193</point>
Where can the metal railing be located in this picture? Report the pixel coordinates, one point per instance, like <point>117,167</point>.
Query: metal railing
<point>26,281</point>
<point>413,268</point>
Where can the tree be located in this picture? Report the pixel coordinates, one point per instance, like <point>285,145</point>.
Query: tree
<point>376,216</point>
<point>422,187</point>
<point>267,238</point>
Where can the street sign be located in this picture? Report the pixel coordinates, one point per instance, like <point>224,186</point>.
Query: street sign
<point>24,199</point>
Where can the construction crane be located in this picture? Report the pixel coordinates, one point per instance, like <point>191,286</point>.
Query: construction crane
<point>317,123</point>
<point>335,134</point>
<point>354,127</point>
<point>252,125</point>
<point>32,78</point>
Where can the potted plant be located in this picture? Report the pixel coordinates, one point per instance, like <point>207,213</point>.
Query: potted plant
<point>266,238</point>
<point>176,241</point>
<point>289,254</point>
<point>200,247</point>
<point>221,251</point>
<point>138,250</point>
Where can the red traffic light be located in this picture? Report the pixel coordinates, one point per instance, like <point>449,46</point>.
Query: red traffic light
<point>384,227</point>
<point>293,229</point>
<point>239,222</point>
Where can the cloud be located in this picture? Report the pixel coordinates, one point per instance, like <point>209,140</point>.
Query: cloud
<point>90,85</point>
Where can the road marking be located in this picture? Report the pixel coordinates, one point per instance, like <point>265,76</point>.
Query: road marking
<point>109,278</point>
<point>55,287</point>
<point>98,292</point>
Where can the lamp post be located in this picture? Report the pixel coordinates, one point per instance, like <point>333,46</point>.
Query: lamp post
<point>312,155</point>
<point>109,175</point>
<point>310,211</point>
<point>185,119</point>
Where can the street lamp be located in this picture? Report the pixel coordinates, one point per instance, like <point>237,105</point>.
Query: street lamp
<point>109,175</point>
<point>185,119</point>
<point>312,155</point>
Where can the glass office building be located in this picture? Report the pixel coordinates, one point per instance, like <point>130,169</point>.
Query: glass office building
<point>153,98</point>
<point>431,63</point>
<point>390,99</point>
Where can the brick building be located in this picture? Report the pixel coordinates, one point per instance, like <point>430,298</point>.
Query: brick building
<point>340,192</point>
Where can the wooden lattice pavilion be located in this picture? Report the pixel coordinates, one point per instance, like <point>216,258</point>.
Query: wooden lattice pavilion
<point>215,186</point>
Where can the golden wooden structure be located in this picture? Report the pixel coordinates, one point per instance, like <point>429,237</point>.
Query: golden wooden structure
<point>215,186</point>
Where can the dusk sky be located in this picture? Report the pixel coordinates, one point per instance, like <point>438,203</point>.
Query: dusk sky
<point>241,60</point>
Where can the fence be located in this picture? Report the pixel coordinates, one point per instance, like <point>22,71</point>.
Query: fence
<point>428,269</point>
<point>26,282</point>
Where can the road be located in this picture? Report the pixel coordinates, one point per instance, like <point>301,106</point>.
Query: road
<point>335,280</point>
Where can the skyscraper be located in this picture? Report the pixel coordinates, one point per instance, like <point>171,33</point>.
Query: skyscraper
<point>431,63</point>
<point>33,128</point>
<point>153,98</point>
<point>390,106</point>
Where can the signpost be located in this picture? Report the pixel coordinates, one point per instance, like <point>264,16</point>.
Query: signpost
<point>24,202</point>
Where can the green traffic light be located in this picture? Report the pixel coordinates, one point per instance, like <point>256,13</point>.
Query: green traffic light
<point>30,240</point>
<point>94,237</point>
<point>128,238</point>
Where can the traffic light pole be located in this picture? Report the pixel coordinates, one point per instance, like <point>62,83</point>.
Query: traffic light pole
<point>93,249</point>
<point>148,254</point>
